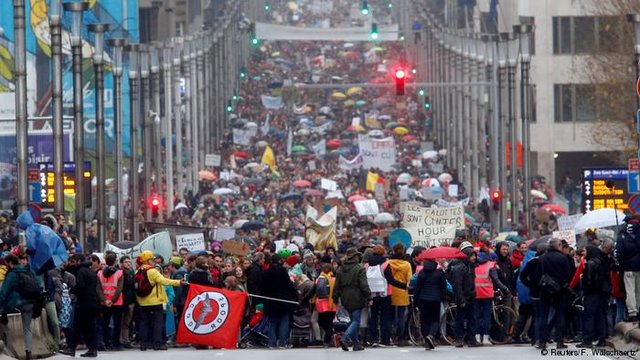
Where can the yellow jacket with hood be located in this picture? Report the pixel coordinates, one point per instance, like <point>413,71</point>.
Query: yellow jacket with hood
<point>401,270</point>
<point>157,296</point>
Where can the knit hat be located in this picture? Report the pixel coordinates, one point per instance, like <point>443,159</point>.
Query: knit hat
<point>292,260</point>
<point>307,254</point>
<point>465,245</point>
<point>146,256</point>
<point>176,261</point>
<point>284,253</point>
<point>326,259</point>
<point>484,236</point>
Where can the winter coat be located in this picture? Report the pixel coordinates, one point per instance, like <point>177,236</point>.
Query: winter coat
<point>462,277</point>
<point>10,299</point>
<point>555,264</point>
<point>157,296</point>
<point>596,267</point>
<point>275,283</point>
<point>200,276</point>
<point>128,290</point>
<point>628,251</point>
<point>505,269</point>
<point>431,284</point>
<point>352,288</point>
<point>253,278</point>
<point>401,270</point>
<point>180,292</point>
<point>86,289</point>
<point>529,277</point>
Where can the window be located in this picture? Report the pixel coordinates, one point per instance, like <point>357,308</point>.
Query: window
<point>587,35</point>
<point>574,102</point>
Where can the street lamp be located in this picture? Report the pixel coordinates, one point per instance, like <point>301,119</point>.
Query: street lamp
<point>512,63</point>
<point>143,56</point>
<point>77,9</point>
<point>117,45</point>
<point>167,56</point>
<point>21,102</point>
<point>154,68</point>
<point>524,35</point>
<point>55,10</point>
<point>98,66</point>
<point>177,113</point>
<point>501,57</point>
<point>134,105</point>
<point>635,19</point>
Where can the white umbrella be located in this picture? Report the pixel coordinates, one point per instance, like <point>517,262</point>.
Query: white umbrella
<point>431,154</point>
<point>222,191</point>
<point>445,178</point>
<point>303,132</point>
<point>403,178</point>
<point>261,144</point>
<point>443,152</point>
<point>325,110</point>
<point>251,125</point>
<point>376,133</point>
<point>598,219</point>
<point>238,224</point>
<point>384,217</point>
<point>253,166</point>
<point>181,205</point>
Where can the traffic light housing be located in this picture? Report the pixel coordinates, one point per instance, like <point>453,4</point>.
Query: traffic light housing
<point>400,77</point>
<point>229,106</point>
<point>155,206</point>
<point>243,72</point>
<point>364,8</point>
<point>496,198</point>
<point>427,104</point>
<point>374,31</point>
<point>267,6</point>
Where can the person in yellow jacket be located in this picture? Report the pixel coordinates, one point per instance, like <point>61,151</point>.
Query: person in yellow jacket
<point>401,271</point>
<point>152,305</point>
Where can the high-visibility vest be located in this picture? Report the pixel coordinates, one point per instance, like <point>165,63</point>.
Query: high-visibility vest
<point>484,285</point>
<point>110,285</point>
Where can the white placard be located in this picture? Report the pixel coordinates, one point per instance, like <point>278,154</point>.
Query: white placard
<point>335,195</point>
<point>348,165</point>
<point>426,146</point>
<point>436,167</point>
<point>243,137</point>
<point>312,165</point>
<point>568,222</point>
<point>193,242</point>
<point>431,226</point>
<point>568,235</point>
<point>272,102</point>
<point>320,149</point>
<point>279,245</point>
<point>453,190</point>
<point>378,153</point>
<point>355,121</point>
<point>224,233</point>
<point>112,212</point>
<point>366,207</point>
<point>298,240</point>
<point>212,160</point>
<point>328,185</point>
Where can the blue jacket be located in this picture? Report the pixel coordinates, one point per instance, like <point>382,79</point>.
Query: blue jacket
<point>10,298</point>
<point>523,291</point>
<point>45,248</point>
<point>431,284</point>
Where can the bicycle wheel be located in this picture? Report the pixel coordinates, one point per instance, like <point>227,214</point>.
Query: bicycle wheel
<point>415,332</point>
<point>502,325</point>
<point>447,324</point>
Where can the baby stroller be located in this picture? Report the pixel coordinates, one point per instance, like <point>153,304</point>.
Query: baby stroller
<point>301,332</point>
<point>256,336</point>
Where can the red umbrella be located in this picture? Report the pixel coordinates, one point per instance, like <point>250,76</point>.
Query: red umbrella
<point>554,208</point>
<point>353,198</point>
<point>408,138</point>
<point>334,143</point>
<point>241,154</point>
<point>302,183</point>
<point>314,192</point>
<point>442,252</point>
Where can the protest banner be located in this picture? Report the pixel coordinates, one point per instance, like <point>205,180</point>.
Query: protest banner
<point>366,207</point>
<point>431,226</point>
<point>353,164</point>
<point>192,242</point>
<point>235,247</point>
<point>377,153</point>
<point>272,102</point>
<point>568,222</point>
<point>568,235</point>
<point>243,137</point>
<point>159,243</point>
<point>224,233</point>
<point>320,149</point>
<point>329,185</point>
<point>321,232</point>
<point>212,160</point>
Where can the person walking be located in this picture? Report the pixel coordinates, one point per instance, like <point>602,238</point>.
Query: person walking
<point>20,291</point>
<point>151,296</point>
<point>430,290</point>
<point>486,281</point>
<point>628,256</point>
<point>276,284</point>
<point>401,272</point>
<point>128,301</point>
<point>596,287</point>
<point>462,278</point>
<point>352,291</point>
<point>325,284</point>
<point>110,287</point>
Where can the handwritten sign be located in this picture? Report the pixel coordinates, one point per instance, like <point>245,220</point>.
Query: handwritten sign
<point>568,222</point>
<point>192,242</point>
<point>237,248</point>
<point>243,137</point>
<point>366,207</point>
<point>453,190</point>
<point>568,235</point>
<point>212,160</point>
<point>329,185</point>
<point>348,165</point>
<point>431,226</point>
<point>378,153</point>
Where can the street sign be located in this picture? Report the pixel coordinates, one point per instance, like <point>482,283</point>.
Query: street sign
<point>212,160</point>
<point>633,178</point>
<point>595,193</point>
<point>634,204</point>
<point>35,191</point>
<point>36,212</point>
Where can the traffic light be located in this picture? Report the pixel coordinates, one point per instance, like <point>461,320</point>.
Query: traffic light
<point>400,78</point>
<point>496,198</point>
<point>235,96</point>
<point>364,8</point>
<point>267,6</point>
<point>229,106</point>
<point>427,103</point>
<point>243,72</point>
<point>155,206</point>
<point>390,5</point>
<point>374,31</point>
<point>421,92</point>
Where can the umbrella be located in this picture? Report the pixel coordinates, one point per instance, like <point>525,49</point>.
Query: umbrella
<point>181,205</point>
<point>383,218</point>
<point>223,191</point>
<point>302,183</point>
<point>124,244</point>
<point>598,219</point>
<point>361,103</point>
<point>253,166</point>
<point>403,178</point>
<point>365,223</point>
<point>376,133</point>
<point>442,252</point>
<point>334,143</point>
<point>338,95</point>
<point>408,138</point>
<point>445,178</point>
<point>275,84</point>
<point>431,154</point>
<point>275,54</point>
<point>348,45</point>
<point>442,152</point>
<point>325,110</point>
<point>241,154</point>
<point>261,144</point>
<point>291,197</point>
<point>238,224</point>
<point>349,103</point>
<point>292,5</point>
<point>431,182</point>
<point>384,117</point>
<point>391,125</point>
<point>356,128</point>
<point>251,125</point>
<point>354,90</point>
<point>538,194</point>
<point>45,248</point>
<point>206,175</point>
<point>299,149</point>
<point>541,240</point>
<point>401,130</point>
<point>554,208</point>
<point>313,192</point>
<point>303,132</point>
<point>252,225</point>
<point>353,198</point>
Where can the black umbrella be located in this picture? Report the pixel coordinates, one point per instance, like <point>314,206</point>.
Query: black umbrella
<point>275,84</point>
<point>125,244</point>
<point>541,240</point>
<point>291,197</point>
<point>365,223</point>
<point>253,225</point>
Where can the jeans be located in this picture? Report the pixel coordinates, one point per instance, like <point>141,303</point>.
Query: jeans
<point>466,314</point>
<point>632,287</point>
<point>400,321</point>
<point>553,317</point>
<point>483,316</point>
<point>315,326</point>
<point>429,317</point>
<point>127,316</point>
<point>525,312</point>
<point>354,326</point>
<point>380,316</point>
<point>594,315</point>
<point>84,325</point>
<point>539,321</point>
<point>108,313</point>
<point>279,329</point>
<point>151,325</point>
<point>620,309</point>
<point>325,320</point>
<point>52,316</point>
<point>26,314</point>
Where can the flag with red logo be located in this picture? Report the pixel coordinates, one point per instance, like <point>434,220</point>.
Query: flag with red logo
<point>211,317</point>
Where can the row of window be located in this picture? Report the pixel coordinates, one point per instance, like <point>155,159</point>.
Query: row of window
<point>589,35</point>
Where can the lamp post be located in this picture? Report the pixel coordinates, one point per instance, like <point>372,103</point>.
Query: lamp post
<point>493,117</point>
<point>155,84</point>
<point>167,56</point>
<point>147,153</point>
<point>117,45</point>
<point>21,102</point>
<point>77,9</point>
<point>501,52</point>
<point>98,67</point>
<point>524,32</point>
<point>55,12</point>
<point>177,114</point>
<point>134,104</point>
<point>188,108</point>
<point>635,19</point>
<point>512,63</point>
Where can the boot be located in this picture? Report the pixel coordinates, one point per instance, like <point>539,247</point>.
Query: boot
<point>27,355</point>
<point>485,340</point>
<point>479,339</point>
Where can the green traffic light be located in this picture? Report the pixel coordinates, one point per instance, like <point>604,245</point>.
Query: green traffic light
<point>421,92</point>
<point>229,108</point>
<point>365,11</point>
<point>427,106</point>
<point>254,41</point>
<point>243,75</point>
<point>390,5</point>
<point>374,36</point>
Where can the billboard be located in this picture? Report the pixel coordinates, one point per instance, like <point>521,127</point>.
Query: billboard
<point>597,195</point>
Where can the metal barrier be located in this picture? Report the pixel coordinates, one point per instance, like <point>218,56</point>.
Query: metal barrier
<point>12,335</point>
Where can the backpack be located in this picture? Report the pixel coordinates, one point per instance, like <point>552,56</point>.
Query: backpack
<point>376,280</point>
<point>28,287</point>
<point>592,279</point>
<point>322,288</point>
<point>141,283</point>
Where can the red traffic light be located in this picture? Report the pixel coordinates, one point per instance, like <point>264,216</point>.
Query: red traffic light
<point>495,195</point>
<point>155,202</point>
<point>400,74</point>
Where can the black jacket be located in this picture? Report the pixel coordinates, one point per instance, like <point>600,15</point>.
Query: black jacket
<point>431,284</point>
<point>86,289</point>
<point>253,278</point>
<point>556,264</point>
<point>200,277</point>
<point>505,270</point>
<point>596,278</point>
<point>275,283</point>
<point>530,277</point>
<point>628,249</point>
<point>462,277</point>
<point>128,291</point>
